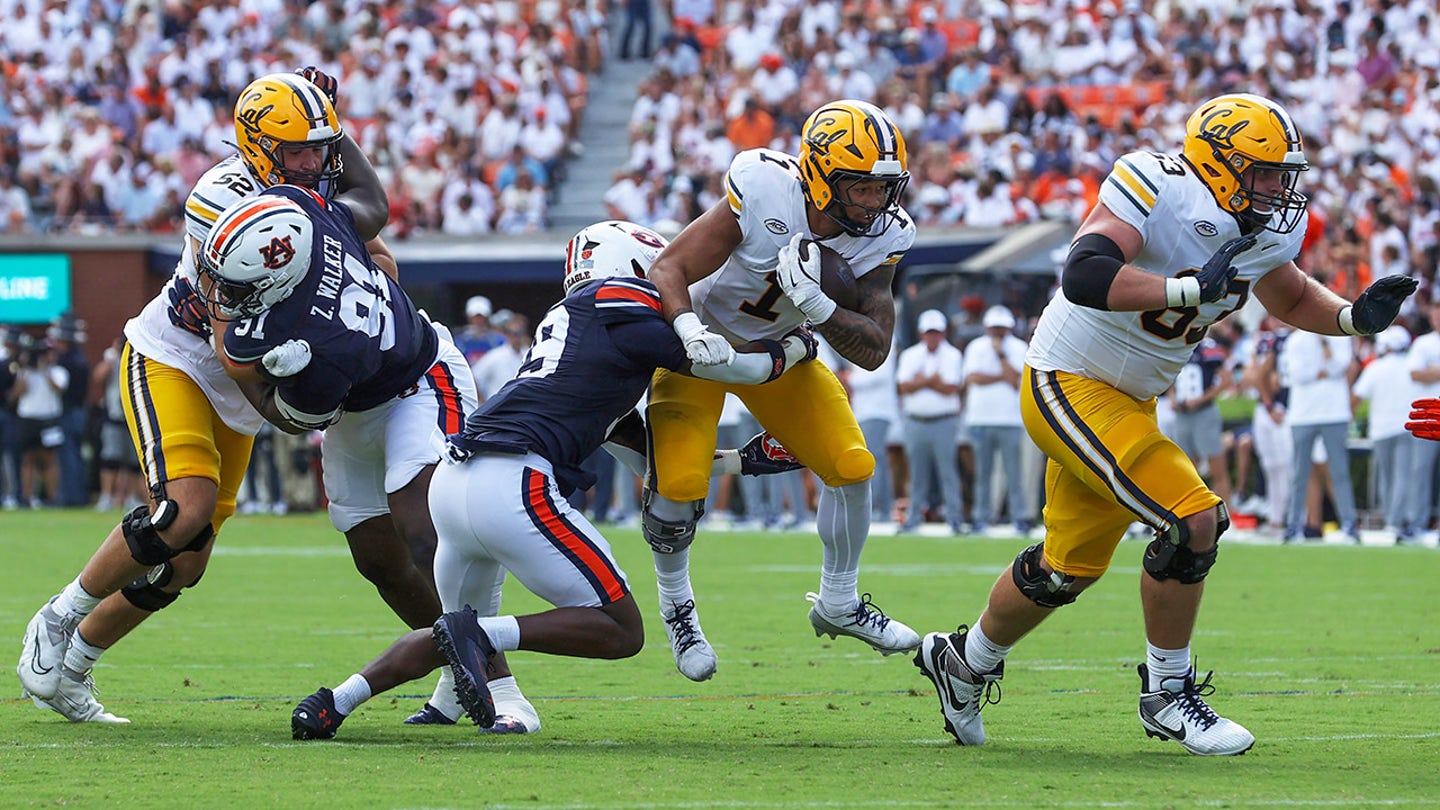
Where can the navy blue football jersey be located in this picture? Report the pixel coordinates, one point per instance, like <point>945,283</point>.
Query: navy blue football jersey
<point>368,342</point>
<point>592,359</point>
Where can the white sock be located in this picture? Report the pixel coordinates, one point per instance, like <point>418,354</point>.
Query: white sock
<point>444,699</point>
<point>981,653</point>
<point>81,655</point>
<point>354,691</point>
<point>74,601</point>
<point>504,632</point>
<point>672,577</point>
<point>843,520</point>
<point>1163,663</point>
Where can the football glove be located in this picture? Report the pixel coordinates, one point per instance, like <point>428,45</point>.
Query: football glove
<point>703,347</point>
<point>320,79</point>
<point>1377,307</point>
<point>1425,419</point>
<point>797,269</point>
<point>287,359</point>
<point>1215,276</point>
<point>764,455</point>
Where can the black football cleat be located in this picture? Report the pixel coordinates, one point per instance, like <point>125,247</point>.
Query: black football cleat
<point>316,717</point>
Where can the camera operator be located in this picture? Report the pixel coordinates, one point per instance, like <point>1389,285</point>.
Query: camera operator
<point>39,385</point>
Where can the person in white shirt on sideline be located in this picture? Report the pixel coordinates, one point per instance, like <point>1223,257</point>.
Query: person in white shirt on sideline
<point>1387,385</point>
<point>929,379</point>
<point>1424,364</point>
<point>1317,367</point>
<point>499,365</point>
<point>992,413</point>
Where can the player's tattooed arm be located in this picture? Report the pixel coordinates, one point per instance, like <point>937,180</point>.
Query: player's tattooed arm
<point>863,337</point>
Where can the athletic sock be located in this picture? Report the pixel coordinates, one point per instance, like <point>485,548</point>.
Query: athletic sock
<point>81,655</point>
<point>1163,663</point>
<point>444,699</point>
<point>354,691</point>
<point>981,653</point>
<point>843,521</point>
<point>75,601</point>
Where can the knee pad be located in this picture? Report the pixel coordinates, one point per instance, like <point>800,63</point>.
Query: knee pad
<point>669,536</point>
<point>142,530</point>
<point>148,592</point>
<point>1169,555</point>
<point>1049,591</point>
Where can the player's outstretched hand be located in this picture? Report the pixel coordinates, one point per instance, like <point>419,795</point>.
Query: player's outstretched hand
<point>1425,419</point>
<point>798,270</point>
<point>1377,307</point>
<point>320,79</point>
<point>703,347</point>
<point>287,359</point>
<point>764,455</point>
<point>1215,276</point>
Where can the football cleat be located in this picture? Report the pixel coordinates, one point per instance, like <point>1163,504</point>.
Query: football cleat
<point>75,699</point>
<point>316,718</point>
<point>46,638</point>
<point>694,656</point>
<point>963,692</point>
<point>468,651</point>
<point>508,724</point>
<point>429,716</point>
<point>1178,711</point>
<point>865,622</point>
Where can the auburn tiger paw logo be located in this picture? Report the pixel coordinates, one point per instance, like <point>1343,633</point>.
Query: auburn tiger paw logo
<point>278,253</point>
<point>774,450</point>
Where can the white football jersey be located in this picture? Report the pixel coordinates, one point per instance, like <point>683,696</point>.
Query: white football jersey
<point>743,300</point>
<point>155,333</point>
<point>1182,226</point>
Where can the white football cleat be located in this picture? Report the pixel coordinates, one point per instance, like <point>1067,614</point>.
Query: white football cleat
<point>75,699</point>
<point>694,656</point>
<point>963,692</point>
<point>1177,711</point>
<point>866,622</point>
<point>46,639</point>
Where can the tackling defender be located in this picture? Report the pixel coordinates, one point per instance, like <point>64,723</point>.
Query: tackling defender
<point>499,503</point>
<point>738,273</point>
<point>1131,309</point>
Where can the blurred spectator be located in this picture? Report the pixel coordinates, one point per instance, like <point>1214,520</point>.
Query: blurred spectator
<point>66,336</point>
<point>753,128</point>
<point>479,336</point>
<point>522,206</point>
<point>637,20</point>
<point>992,366</point>
<point>39,385</point>
<point>499,365</point>
<point>928,379</point>
<point>121,485</point>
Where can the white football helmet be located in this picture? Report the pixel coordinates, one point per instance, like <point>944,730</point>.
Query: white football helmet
<point>610,249</point>
<point>254,255</point>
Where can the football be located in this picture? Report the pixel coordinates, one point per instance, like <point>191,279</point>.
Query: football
<point>837,280</point>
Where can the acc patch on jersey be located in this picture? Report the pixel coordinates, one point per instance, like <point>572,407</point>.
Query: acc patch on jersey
<point>776,226</point>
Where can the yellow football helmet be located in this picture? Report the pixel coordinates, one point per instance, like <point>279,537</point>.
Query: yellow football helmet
<point>1230,135</point>
<point>284,111</point>
<point>848,142</point>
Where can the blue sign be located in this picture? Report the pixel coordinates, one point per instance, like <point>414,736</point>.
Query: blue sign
<point>34,288</point>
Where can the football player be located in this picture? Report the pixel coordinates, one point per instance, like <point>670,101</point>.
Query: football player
<point>192,427</point>
<point>1176,243</point>
<point>499,503</point>
<point>738,273</point>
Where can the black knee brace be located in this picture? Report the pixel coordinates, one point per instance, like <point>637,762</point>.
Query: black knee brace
<point>142,534</point>
<point>1169,556</point>
<point>668,536</point>
<point>1051,591</point>
<point>148,592</point>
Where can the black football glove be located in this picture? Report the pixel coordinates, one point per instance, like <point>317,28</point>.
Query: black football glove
<point>320,79</point>
<point>764,455</point>
<point>1215,276</point>
<point>1374,310</point>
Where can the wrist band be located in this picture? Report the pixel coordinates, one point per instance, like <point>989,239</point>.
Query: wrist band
<point>1182,292</point>
<point>1346,321</point>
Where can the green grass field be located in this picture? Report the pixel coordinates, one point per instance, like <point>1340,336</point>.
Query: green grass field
<point>1330,655</point>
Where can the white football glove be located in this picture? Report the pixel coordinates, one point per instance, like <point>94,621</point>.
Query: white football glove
<point>800,279</point>
<point>287,359</point>
<point>705,348</point>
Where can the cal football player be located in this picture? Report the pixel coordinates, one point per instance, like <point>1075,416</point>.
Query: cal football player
<point>1176,243</point>
<point>192,427</point>
<point>739,273</point>
<point>499,504</point>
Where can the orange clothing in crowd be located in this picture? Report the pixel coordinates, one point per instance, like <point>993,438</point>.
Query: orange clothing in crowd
<point>752,129</point>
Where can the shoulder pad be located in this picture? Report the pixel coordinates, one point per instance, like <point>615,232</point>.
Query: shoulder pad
<point>758,174</point>
<point>1135,183</point>
<point>626,299</point>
